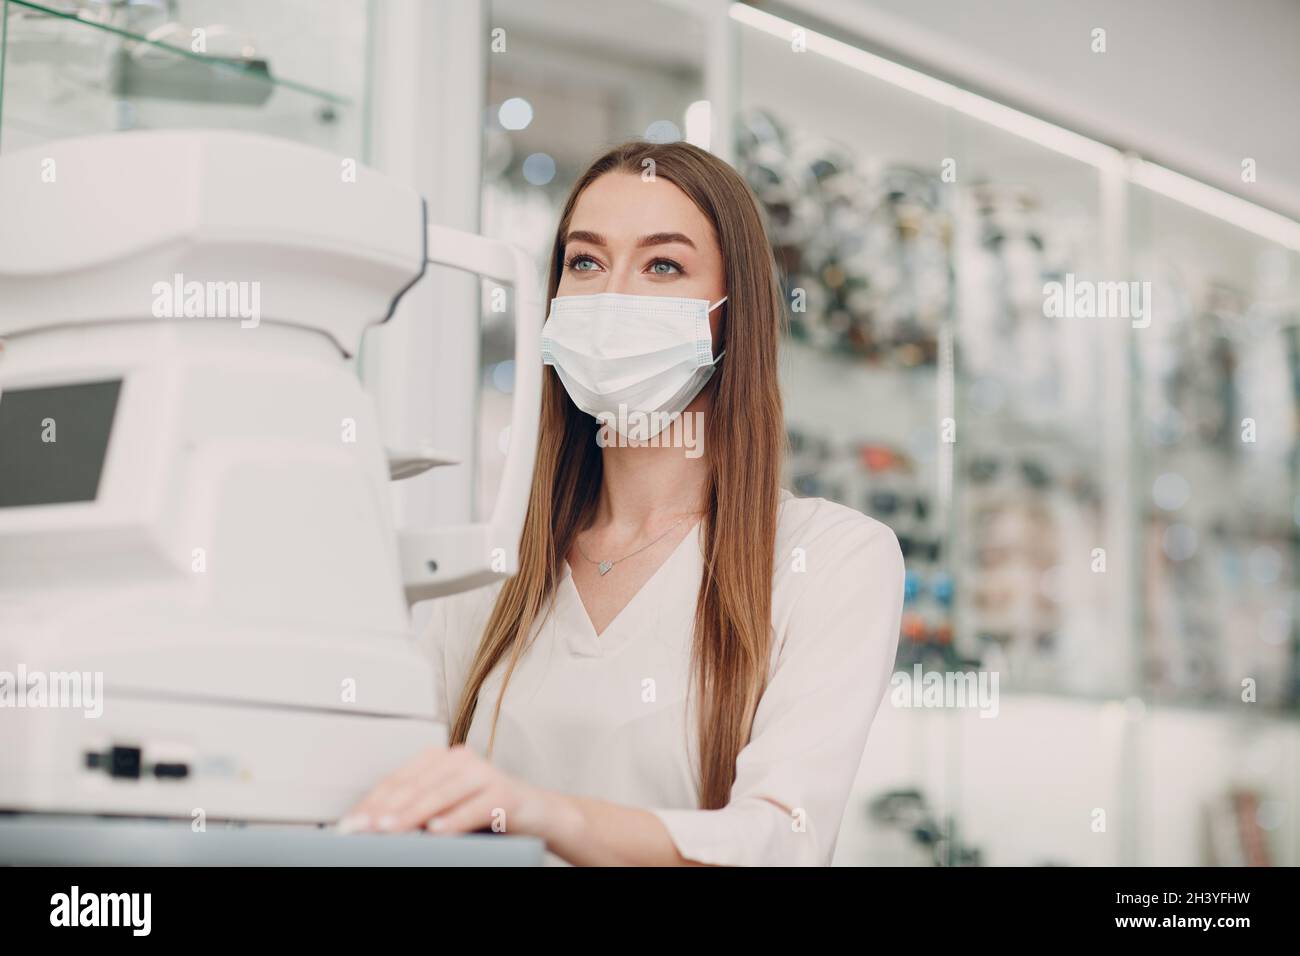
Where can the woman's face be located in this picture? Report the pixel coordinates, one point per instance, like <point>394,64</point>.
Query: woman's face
<point>641,238</point>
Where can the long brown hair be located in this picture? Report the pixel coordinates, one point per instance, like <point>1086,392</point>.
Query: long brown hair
<point>744,438</point>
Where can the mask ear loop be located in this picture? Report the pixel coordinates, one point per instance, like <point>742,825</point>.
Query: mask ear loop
<point>710,310</point>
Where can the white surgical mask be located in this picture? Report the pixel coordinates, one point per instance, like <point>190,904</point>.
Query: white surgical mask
<point>647,356</point>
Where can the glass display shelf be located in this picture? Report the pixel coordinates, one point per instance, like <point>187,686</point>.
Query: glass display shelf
<point>924,384</point>
<point>1032,500</point>
<point>79,67</point>
<point>1219,372</point>
<point>847,169</point>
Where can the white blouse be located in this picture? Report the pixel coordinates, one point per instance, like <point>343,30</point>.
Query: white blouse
<point>607,717</point>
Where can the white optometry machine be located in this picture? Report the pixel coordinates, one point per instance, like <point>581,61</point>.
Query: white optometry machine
<point>195,501</point>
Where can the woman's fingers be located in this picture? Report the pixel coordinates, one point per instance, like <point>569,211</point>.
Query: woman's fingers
<point>470,814</point>
<point>437,798</point>
<point>396,802</point>
<point>400,786</point>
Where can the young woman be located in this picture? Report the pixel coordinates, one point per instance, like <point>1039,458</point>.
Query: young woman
<point>686,666</point>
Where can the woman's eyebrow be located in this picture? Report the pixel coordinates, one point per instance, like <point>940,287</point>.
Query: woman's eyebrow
<point>663,238</point>
<point>654,239</point>
<point>582,235</point>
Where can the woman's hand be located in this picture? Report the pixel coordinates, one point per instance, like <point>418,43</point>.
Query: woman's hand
<point>454,790</point>
<point>451,790</point>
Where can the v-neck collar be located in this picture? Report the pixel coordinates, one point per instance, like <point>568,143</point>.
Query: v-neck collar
<point>583,638</point>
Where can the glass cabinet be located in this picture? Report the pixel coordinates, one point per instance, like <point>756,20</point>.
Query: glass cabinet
<point>1074,400</point>
<point>293,69</point>
<point>1217,419</point>
<point>847,169</point>
<point>925,385</point>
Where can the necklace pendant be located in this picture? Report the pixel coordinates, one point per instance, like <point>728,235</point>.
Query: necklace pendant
<point>605,567</point>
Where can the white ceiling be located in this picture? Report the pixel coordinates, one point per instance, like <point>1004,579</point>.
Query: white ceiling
<point>1196,84</point>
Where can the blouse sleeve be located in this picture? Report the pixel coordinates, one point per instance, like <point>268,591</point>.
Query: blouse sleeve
<point>794,777</point>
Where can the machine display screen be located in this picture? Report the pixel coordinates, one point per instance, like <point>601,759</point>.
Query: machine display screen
<point>53,441</point>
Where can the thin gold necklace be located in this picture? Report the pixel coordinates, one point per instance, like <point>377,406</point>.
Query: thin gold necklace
<point>604,567</point>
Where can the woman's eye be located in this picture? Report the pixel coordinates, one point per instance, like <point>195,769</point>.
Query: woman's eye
<point>582,263</point>
<point>664,267</point>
